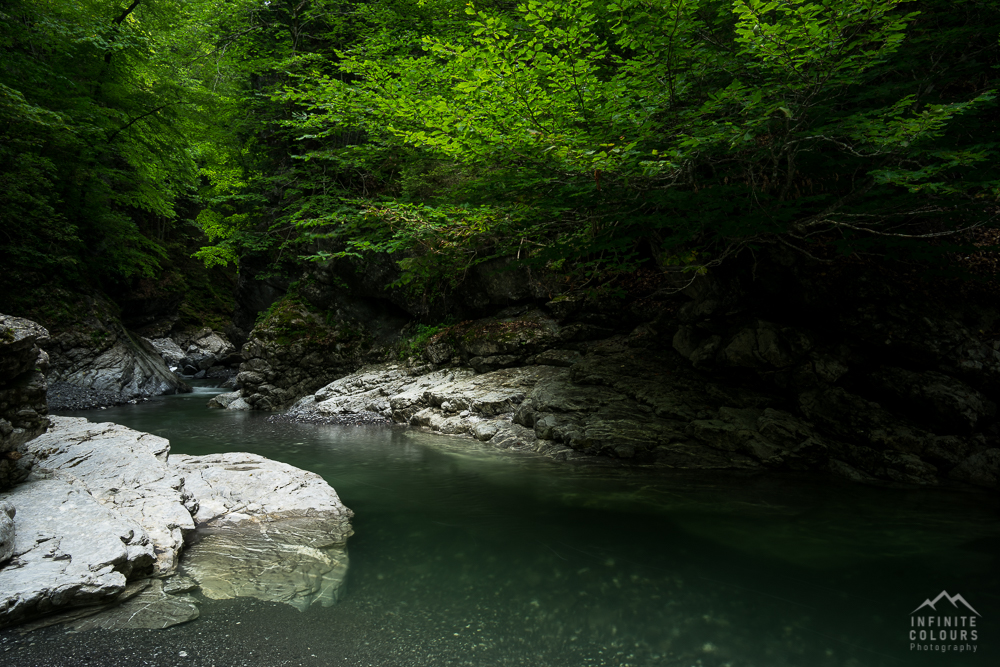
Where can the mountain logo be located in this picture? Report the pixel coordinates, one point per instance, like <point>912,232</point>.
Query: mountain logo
<point>950,598</point>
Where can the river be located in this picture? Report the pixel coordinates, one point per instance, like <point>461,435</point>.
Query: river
<point>464,555</point>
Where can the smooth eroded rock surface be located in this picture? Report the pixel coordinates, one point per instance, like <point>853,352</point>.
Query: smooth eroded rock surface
<point>98,355</point>
<point>105,507</point>
<point>266,530</point>
<point>127,471</point>
<point>69,550</point>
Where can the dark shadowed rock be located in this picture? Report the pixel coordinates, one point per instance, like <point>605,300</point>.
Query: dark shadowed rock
<point>97,354</point>
<point>7,512</point>
<point>23,410</point>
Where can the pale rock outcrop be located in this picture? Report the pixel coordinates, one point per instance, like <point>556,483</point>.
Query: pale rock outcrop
<point>69,550</point>
<point>127,471</point>
<point>266,530</point>
<point>105,507</point>
<point>98,355</point>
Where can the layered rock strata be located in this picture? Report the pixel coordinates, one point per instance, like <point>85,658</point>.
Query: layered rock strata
<point>23,410</point>
<point>97,355</point>
<point>617,404</point>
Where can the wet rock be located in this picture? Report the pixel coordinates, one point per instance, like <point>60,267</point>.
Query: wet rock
<point>104,506</point>
<point>223,401</point>
<point>492,363</point>
<point>19,340</point>
<point>176,584</point>
<point>239,404</point>
<point>938,342</point>
<point>265,530</point>
<point>151,609</point>
<point>297,350</point>
<point>512,436</point>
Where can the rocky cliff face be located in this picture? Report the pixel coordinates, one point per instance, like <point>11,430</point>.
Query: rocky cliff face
<point>834,370</point>
<point>23,410</point>
<point>343,316</point>
<point>295,349</point>
<point>97,355</point>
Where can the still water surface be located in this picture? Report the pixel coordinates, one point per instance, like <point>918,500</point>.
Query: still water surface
<point>468,556</point>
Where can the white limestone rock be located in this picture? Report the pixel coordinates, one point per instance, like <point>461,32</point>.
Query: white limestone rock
<point>266,530</point>
<point>69,550</point>
<point>127,471</point>
<point>104,505</point>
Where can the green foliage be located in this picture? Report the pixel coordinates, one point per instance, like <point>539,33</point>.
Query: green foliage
<point>95,157</point>
<point>589,137</point>
<point>415,345</point>
<point>600,136</point>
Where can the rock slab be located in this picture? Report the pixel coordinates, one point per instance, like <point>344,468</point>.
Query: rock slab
<point>106,506</point>
<point>127,471</point>
<point>69,550</point>
<point>265,530</point>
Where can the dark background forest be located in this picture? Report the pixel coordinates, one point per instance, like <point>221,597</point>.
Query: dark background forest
<point>155,147</point>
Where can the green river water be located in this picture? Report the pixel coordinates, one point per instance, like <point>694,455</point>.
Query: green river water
<point>464,555</point>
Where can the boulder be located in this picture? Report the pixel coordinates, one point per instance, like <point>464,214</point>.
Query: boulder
<point>105,508</point>
<point>97,354</point>
<point>223,401</point>
<point>265,530</point>
<point>198,350</point>
<point>170,351</point>
<point>126,471</point>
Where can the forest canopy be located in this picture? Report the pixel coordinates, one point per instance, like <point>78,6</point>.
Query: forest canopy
<point>588,137</point>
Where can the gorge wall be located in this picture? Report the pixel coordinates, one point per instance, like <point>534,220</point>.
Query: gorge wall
<point>768,363</point>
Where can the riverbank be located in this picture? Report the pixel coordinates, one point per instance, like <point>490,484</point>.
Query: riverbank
<point>845,370</point>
